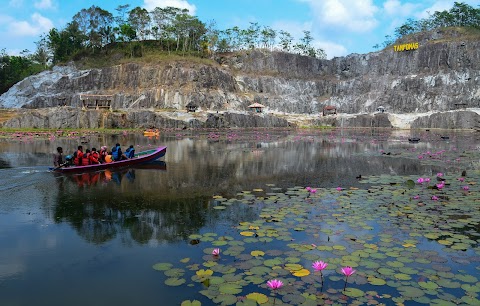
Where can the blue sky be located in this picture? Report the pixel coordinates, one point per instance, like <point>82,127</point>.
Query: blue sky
<point>340,27</point>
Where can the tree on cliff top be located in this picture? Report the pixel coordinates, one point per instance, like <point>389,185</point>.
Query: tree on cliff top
<point>460,15</point>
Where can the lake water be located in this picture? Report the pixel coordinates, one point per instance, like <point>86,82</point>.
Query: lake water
<point>92,239</point>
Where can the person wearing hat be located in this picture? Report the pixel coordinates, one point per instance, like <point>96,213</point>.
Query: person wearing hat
<point>103,153</point>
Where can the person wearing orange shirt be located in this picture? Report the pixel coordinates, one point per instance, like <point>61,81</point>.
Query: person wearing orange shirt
<point>94,157</point>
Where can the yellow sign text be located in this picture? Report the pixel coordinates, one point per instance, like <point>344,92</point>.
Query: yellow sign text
<point>406,47</point>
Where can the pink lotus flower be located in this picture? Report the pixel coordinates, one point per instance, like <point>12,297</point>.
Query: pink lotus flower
<point>435,198</point>
<point>275,284</point>
<point>461,179</point>
<point>439,174</point>
<point>308,189</point>
<point>420,180</point>
<point>216,252</point>
<point>339,188</point>
<point>441,185</point>
<point>427,180</point>
<point>313,190</point>
<point>319,265</point>
<point>348,271</point>
<point>416,197</point>
<point>466,188</point>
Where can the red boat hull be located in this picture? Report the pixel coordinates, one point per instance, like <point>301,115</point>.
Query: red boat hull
<point>142,157</point>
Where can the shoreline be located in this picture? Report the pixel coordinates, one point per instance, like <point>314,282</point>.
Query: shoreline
<point>69,118</point>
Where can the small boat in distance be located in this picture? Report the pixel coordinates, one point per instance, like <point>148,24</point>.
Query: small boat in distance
<point>151,132</point>
<point>140,158</point>
<point>414,139</point>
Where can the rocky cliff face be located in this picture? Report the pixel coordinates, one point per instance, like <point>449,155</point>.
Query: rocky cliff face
<point>67,117</point>
<point>441,76</point>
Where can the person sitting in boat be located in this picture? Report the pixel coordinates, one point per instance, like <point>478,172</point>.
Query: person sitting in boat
<point>103,152</point>
<point>130,152</point>
<point>94,157</point>
<point>109,157</point>
<point>69,161</point>
<point>58,157</point>
<point>86,158</point>
<point>117,153</point>
<point>78,156</point>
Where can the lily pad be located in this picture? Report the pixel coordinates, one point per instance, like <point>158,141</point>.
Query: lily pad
<point>174,281</point>
<point>230,288</point>
<point>353,292</point>
<point>410,292</point>
<point>258,297</point>
<point>428,285</point>
<point>191,303</point>
<point>163,266</point>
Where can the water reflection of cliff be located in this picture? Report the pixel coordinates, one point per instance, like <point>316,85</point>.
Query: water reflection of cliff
<point>150,206</point>
<point>102,208</point>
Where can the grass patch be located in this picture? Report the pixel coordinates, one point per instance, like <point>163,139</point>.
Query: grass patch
<point>150,53</point>
<point>7,114</point>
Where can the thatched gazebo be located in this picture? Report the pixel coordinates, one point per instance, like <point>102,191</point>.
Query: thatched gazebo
<point>256,107</point>
<point>191,107</point>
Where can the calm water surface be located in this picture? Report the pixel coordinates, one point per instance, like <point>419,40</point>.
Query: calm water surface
<point>92,239</point>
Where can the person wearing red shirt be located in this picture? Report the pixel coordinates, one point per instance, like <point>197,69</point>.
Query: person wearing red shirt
<point>78,156</point>
<point>94,157</point>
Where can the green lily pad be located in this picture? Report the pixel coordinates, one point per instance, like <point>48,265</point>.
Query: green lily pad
<point>410,292</point>
<point>191,303</point>
<point>225,299</point>
<point>174,281</point>
<point>353,292</point>
<point>163,266</point>
<point>376,281</point>
<point>229,288</point>
<point>176,272</point>
<point>258,297</point>
<point>428,285</point>
<point>401,276</point>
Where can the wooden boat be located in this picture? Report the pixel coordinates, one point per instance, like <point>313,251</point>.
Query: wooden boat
<point>140,158</point>
<point>414,139</point>
<point>150,133</point>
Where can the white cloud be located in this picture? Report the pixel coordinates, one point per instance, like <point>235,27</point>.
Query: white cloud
<point>437,6</point>
<point>5,19</point>
<point>297,31</point>
<point>15,3</point>
<point>332,49</point>
<point>44,4</point>
<point>294,28</point>
<point>183,4</point>
<point>352,15</point>
<point>396,8</point>
<point>444,5</point>
<point>37,25</point>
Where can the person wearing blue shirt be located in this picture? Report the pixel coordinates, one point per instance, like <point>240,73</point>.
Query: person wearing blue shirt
<point>130,152</point>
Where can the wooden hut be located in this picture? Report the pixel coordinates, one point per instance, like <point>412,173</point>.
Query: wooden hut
<point>96,101</point>
<point>191,107</point>
<point>329,110</point>
<point>256,107</point>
